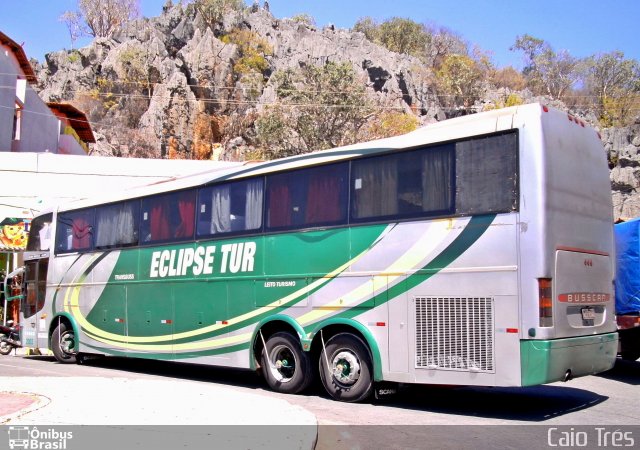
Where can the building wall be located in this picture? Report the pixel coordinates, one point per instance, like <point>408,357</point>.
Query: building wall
<point>7,98</point>
<point>40,127</point>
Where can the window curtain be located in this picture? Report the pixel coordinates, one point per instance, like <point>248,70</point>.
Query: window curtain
<point>159,222</point>
<point>436,180</point>
<point>186,210</point>
<point>323,199</point>
<point>220,210</point>
<point>280,209</point>
<point>253,205</point>
<point>376,187</point>
<point>116,225</point>
<point>81,232</point>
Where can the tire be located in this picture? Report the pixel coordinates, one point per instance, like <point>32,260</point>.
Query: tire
<point>349,375</point>
<point>63,342</point>
<point>5,348</point>
<point>630,355</point>
<point>286,368</point>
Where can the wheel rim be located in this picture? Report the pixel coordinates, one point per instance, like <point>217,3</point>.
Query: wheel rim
<point>67,343</point>
<point>345,367</point>
<point>282,363</point>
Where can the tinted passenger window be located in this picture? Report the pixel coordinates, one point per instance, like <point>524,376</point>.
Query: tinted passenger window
<point>168,217</point>
<point>307,198</point>
<point>407,184</point>
<point>117,225</point>
<point>230,208</point>
<point>75,231</point>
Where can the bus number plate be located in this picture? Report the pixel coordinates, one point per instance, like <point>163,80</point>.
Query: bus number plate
<point>588,314</point>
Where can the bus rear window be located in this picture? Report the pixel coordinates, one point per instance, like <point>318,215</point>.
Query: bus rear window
<point>486,175</point>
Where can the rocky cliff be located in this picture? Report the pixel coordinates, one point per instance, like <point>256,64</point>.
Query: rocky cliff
<point>161,76</point>
<point>623,149</point>
<point>169,87</point>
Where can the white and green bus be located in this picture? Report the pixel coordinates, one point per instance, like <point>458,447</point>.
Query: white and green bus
<point>474,251</point>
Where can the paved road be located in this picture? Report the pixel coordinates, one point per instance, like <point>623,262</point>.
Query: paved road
<point>608,400</point>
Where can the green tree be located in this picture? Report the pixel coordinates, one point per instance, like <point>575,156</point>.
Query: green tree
<point>213,11</point>
<point>548,72</point>
<point>441,43</point>
<point>388,124</point>
<point>615,83</point>
<point>508,77</point>
<point>459,81</point>
<point>396,34</point>
<point>318,107</point>
<point>253,51</point>
<point>369,27</point>
<point>532,47</point>
<point>403,36</point>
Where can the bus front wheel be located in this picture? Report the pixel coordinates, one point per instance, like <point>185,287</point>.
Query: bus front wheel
<point>286,367</point>
<point>63,341</point>
<point>345,368</point>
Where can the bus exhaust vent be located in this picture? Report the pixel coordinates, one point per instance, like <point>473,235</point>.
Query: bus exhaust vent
<point>454,333</point>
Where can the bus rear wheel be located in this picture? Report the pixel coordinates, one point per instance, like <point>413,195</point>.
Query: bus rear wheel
<point>63,342</point>
<point>345,368</point>
<point>286,367</point>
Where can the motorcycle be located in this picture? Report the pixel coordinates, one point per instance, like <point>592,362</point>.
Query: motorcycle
<point>9,338</point>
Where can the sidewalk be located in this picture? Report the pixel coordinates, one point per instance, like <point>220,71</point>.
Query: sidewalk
<point>117,402</point>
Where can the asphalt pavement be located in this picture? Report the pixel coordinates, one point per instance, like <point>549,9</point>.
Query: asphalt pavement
<point>113,401</point>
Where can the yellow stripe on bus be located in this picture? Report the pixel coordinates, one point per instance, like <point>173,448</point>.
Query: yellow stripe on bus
<point>71,303</point>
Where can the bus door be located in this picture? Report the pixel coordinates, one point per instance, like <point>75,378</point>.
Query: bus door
<point>33,330</point>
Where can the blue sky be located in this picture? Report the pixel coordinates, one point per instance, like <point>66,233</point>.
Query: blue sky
<point>581,27</point>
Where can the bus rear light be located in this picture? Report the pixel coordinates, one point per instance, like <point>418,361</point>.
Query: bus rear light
<point>545,302</point>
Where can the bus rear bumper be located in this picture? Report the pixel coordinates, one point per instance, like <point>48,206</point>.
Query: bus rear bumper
<point>548,361</point>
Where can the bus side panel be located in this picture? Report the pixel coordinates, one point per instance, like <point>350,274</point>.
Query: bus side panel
<point>461,319</point>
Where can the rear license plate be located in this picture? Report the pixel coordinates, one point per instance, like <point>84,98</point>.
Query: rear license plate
<point>588,314</point>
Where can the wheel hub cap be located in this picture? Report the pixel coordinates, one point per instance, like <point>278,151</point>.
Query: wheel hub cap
<point>346,368</point>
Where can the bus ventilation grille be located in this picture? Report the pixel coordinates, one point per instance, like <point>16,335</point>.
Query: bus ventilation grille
<point>454,333</point>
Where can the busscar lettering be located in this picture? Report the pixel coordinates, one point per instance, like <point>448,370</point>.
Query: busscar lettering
<point>201,260</point>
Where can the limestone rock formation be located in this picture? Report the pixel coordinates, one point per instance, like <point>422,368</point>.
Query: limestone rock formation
<point>164,77</point>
